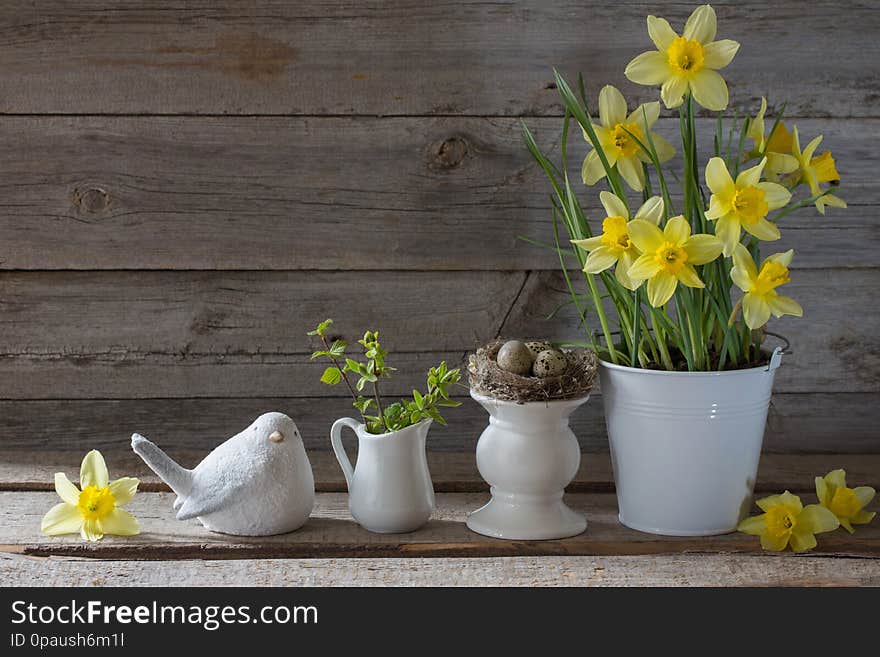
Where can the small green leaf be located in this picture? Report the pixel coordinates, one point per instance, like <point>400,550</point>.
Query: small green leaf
<point>320,354</point>
<point>363,404</point>
<point>322,328</point>
<point>337,349</point>
<point>331,376</point>
<point>353,366</point>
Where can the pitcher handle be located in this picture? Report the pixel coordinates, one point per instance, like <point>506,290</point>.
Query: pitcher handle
<point>339,448</point>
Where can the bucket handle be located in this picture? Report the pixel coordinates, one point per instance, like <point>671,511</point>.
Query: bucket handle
<point>778,352</point>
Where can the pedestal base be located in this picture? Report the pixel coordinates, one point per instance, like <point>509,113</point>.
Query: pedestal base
<point>526,517</point>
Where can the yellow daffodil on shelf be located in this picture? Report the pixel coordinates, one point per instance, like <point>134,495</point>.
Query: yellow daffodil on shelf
<point>668,256</point>
<point>742,204</point>
<point>614,246</point>
<point>615,134</point>
<point>848,504</point>
<point>94,510</point>
<point>776,148</point>
<point>786,521</point>
<point>815,170</point>
<point>760,298</point>
<point>686,63</point>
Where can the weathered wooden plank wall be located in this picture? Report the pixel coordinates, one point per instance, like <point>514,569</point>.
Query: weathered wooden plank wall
<point>186,189</point>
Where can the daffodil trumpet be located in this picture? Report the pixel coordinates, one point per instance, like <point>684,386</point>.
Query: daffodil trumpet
<point>685,279</point>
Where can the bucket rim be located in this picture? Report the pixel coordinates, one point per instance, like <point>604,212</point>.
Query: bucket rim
<point>772,364</point>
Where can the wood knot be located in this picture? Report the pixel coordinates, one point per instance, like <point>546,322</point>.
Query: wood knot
<point>91,200</point>
<point>450,153</point>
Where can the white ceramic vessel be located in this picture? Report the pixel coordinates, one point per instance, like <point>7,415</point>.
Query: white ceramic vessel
<point>685,446</point>
<point>528,455</point>
<point>389,488</point>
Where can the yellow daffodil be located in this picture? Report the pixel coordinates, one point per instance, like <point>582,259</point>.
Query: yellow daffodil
<point>848,504</point>
<point>786,521</point>
<point>94,510</point>
<point>815,170</point>
<point>614,246</point>
<point>686,63</point>
<point>742,204</point>
<point>776,149</point>
<point>620,148</point>
<point>668,256</point>
<point>756,128</point>
<point>760,298</point>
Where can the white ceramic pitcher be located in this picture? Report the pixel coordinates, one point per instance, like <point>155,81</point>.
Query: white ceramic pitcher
<point>389,488</point>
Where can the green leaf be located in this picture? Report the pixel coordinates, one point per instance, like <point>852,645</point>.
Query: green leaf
<point>320,354</point>
<point>337,349</point>
<point>331,376</point>
<point>364,380</point>
<point>363,404</point>
<point>321,329</point>
<point>354,366</point>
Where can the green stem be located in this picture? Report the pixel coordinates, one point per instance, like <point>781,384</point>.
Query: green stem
<point>335,362</point>
<point>685,333</point>
<point>379,410</point>
<point>574,295</point>
<point>636,324</point>
<point>797,206</point>
<point>603,319</point>
<point>660,337</point>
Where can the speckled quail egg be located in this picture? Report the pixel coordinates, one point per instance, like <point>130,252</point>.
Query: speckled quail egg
<point>515,357</point>
<point>537,346</point>
<point>549,362</point>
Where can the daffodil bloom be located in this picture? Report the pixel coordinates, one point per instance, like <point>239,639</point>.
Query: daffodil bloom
<point>815,170</point>
<point>614,246</point>
<point>94,510</point>
<point>776,149</point>
<point>615,134</point>
<point>760,298</point>
<point>742,204</point>
<point>848,504</point>
<point>668,256</point>
<point>786,521</point>
<point>686,63</point>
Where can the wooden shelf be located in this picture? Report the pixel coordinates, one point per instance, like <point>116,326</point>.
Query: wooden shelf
<point>331,533</point>
<point>648,570</point>
<point>331,549</point>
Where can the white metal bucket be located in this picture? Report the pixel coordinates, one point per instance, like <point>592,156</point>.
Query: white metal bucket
<point>685,446</point>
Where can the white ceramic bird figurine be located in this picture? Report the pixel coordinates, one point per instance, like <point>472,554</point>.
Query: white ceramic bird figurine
<point>257,483</point>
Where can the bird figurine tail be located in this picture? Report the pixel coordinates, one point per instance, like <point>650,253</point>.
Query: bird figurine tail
<point>176,476</point>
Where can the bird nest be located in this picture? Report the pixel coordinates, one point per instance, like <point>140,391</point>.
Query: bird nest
<point>488,379</point>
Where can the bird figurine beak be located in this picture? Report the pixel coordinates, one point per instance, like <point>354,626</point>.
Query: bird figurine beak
<point>276,437</point>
